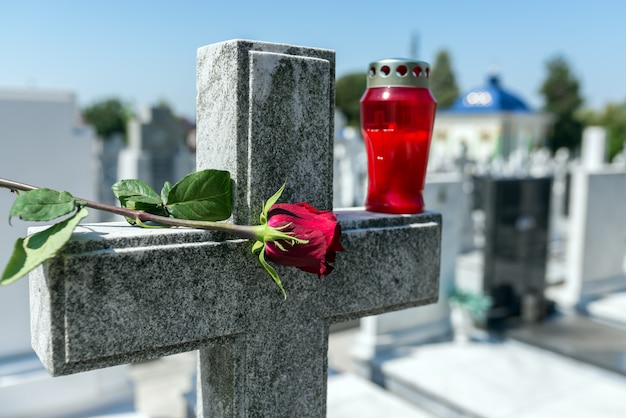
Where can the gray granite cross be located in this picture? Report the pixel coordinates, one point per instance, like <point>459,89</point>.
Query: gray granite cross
<point>120,294</point>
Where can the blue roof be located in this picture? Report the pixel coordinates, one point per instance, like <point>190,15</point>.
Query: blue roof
<point>489,99</point>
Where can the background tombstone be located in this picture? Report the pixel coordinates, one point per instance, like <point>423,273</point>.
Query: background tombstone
<point>107,152</point>
<point>42,144</point>
<point>157,151</point>
<point>381,334</point>
<point>114,296</point>
<point>593,154</point>
<point>597,233</point>
<point>558,206</point>
<point>350,165</point>
<point>516,246</point>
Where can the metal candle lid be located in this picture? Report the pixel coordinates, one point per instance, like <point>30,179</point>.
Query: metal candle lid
<point>393,72</point>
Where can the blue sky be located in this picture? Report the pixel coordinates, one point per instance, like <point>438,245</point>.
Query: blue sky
<point>144,51</point>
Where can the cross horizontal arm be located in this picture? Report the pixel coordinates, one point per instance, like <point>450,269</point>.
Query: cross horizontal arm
<point>120,294</point>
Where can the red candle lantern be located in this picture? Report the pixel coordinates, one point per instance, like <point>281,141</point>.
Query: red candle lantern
<point>397,116</point>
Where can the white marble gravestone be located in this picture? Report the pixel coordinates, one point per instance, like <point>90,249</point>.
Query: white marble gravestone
<point>157,151</point>
<point>597,233</point>
<point>42,144</point>
<point>381,334</point>
<point>120,294</point>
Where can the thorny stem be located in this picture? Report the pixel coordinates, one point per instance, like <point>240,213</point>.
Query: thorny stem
<point>242,231</point>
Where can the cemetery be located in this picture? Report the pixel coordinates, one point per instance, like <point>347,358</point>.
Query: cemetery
<point>506,297</point>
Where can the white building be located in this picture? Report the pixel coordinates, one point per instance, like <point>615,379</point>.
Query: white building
<point>488,121</point>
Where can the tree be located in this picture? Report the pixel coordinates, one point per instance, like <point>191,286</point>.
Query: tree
<point>349,90</point>
<point>442,81</point>
<point>562,99</point>
<point>108,117</point>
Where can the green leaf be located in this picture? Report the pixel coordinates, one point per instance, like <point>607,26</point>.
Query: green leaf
<point>167,186</point>
<point>202,196</point>
<point>138,195</point>
<point>156,209</point>
<point>270,202</point>
<point>135,191</point>
<point>42,205</point>
<point>270,270</point>
<point>37,248</point>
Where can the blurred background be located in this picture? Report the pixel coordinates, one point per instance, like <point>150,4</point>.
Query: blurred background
<point>527,165</point>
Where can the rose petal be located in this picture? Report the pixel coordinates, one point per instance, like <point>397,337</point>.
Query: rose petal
<point>319,227</point>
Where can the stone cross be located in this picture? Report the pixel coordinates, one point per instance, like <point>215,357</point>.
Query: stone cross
<point>120,294</point>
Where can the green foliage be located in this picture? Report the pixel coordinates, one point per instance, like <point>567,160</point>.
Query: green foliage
<point>42,205</point>
<point>165,191</point>
<point>258,248</point>
<point>108,117</point>
<point>562,99</point>
<point>131,192</point>
<point>613,119</point>
<point>349,90</point>
<point>476,304</point>
<point>202,196</point>
<point>138,195</point>
<point>30,252</point>
<point>443,82</point>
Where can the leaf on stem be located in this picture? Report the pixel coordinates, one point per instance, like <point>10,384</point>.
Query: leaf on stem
<point>270,202</point>
<point>202,196</point>
<point>42,205</point>
<point>135,191</point>
<point>37,248</point>
<point>165,191</point>
<point>138,195</point>
<point>258,249</point>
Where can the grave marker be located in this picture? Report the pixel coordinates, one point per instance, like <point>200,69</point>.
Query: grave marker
<point>42,126</point>
<point>120,294</point>
<point>597,233</point>
<point>156,150</point>
<point>381,335</point>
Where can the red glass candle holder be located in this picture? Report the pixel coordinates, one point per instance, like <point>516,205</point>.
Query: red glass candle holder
<point>397,116</point>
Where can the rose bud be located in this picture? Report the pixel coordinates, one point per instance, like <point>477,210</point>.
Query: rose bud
<point>297,235</point>
<point>303,221</point>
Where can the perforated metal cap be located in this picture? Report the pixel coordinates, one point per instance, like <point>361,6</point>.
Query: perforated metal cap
<point>403,72</point>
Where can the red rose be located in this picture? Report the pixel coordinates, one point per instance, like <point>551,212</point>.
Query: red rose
<point>303,221</point>
<point>296,235</point>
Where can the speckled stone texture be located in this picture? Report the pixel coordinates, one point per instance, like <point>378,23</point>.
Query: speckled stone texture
<point>120,294</point>
<point>266,114</point>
